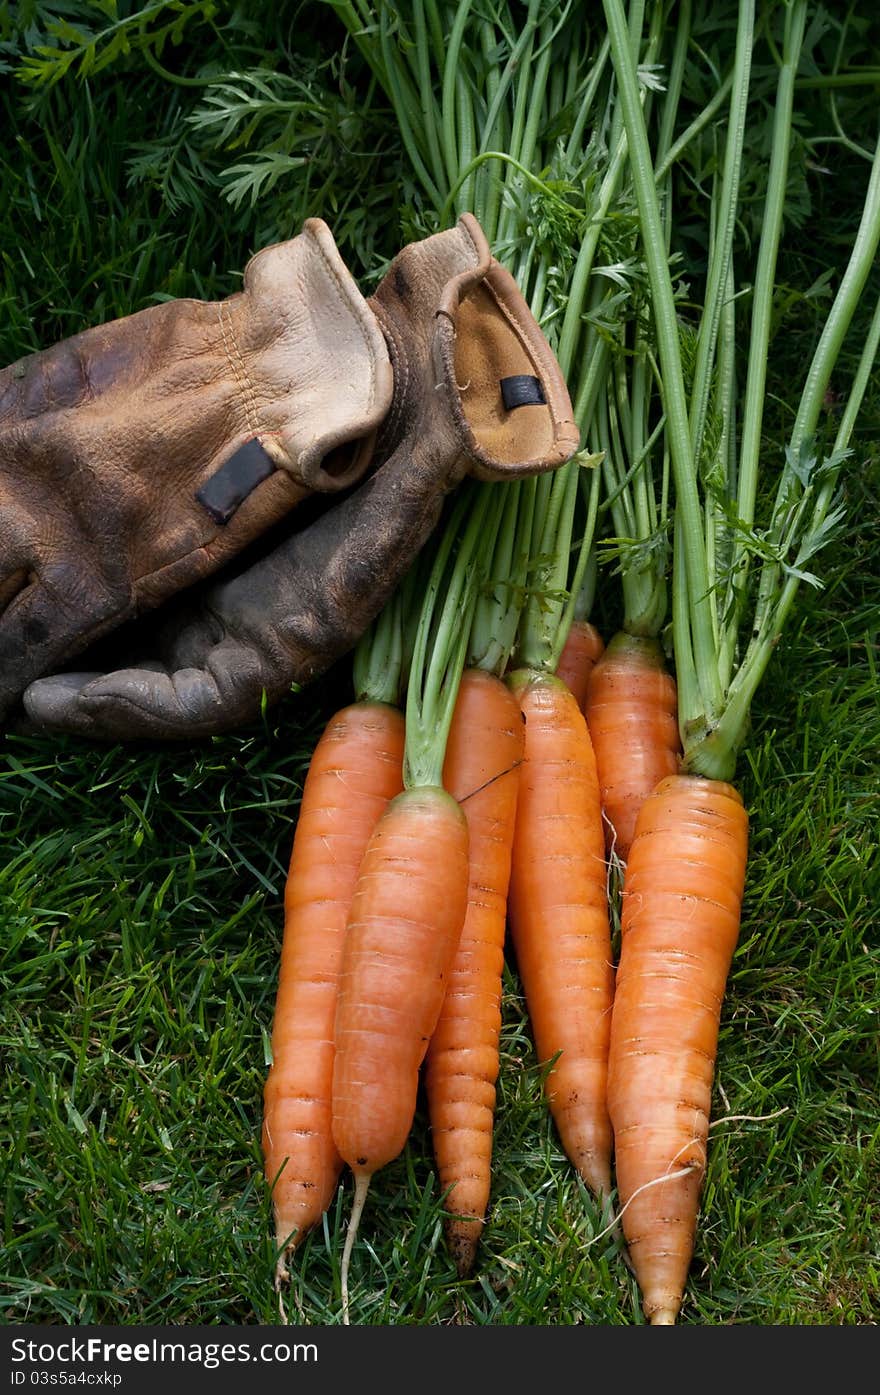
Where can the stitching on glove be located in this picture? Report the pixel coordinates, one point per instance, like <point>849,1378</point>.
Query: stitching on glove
<point>239,368</point>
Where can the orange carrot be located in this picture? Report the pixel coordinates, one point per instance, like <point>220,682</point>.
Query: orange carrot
<point>582,650</point>
<point>481,770</point>
<point>403,930</point>
<point>355,770</point>
<point>559,922</point>
<point>632,715</point>
<point>682,899</point>
<point>411,895</point>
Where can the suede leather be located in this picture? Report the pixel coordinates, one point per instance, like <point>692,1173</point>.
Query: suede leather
<point>456,325</point>
<point>109,439</point>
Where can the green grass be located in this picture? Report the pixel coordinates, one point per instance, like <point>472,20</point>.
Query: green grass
<point>141,892</point>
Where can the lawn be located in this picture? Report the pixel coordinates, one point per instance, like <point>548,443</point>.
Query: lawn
<point>141,885</point>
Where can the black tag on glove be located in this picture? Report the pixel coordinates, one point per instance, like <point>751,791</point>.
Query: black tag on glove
<point>236,478</point>
<point>522,390</point>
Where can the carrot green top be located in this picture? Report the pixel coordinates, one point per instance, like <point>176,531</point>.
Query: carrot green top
<point>715,540</point>
<point>536,118</point>
<point>463,552</point>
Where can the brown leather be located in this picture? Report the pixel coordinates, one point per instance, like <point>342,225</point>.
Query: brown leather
<point>122,475</point>
<point>457,327</point>
<point>451,311</point>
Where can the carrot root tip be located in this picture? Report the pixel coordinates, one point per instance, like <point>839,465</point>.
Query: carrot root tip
<point>282,1273</point>
<point>463,1249</point>
<point>664,1317</point>
<point>361,1187</point>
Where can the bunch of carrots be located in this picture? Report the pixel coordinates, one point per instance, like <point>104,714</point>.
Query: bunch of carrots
<point>421,831</point>
<point>570,783</point>
<point>421,839</point>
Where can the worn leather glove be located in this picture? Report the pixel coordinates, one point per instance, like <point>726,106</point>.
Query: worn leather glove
<point>142,454</point>
<point>477,389</point>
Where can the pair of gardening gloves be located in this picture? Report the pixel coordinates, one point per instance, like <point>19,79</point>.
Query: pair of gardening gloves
<point>232,490</point>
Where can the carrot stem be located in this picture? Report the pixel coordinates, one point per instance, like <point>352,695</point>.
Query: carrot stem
<point>501,598</point>
<point>724,211</point>
<point>665,320</point>
<point>443,631</point>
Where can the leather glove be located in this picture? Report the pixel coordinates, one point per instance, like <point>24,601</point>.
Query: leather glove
<point>477,390</point>
<point>139,456</point>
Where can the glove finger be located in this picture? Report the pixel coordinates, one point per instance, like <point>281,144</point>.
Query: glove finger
<point>329,581</point>
<point>284,620</point>
<point>151,701</point>
<point>39,627</point>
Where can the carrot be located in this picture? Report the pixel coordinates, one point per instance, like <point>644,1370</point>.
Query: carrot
<point>682,899</point>
<point>582,650</point>
<point>557,903</point>
<point>632,715</point>
<point>559,922</point>
<point>355,769</point>
<point>730,602</point>
<point>481,770</point>
<point>410,899</point>
<point>405,922</point>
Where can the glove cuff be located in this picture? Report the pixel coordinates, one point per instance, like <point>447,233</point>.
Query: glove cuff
<point>309,359</point>
<point>473,372</point>
<point>507,397</point>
